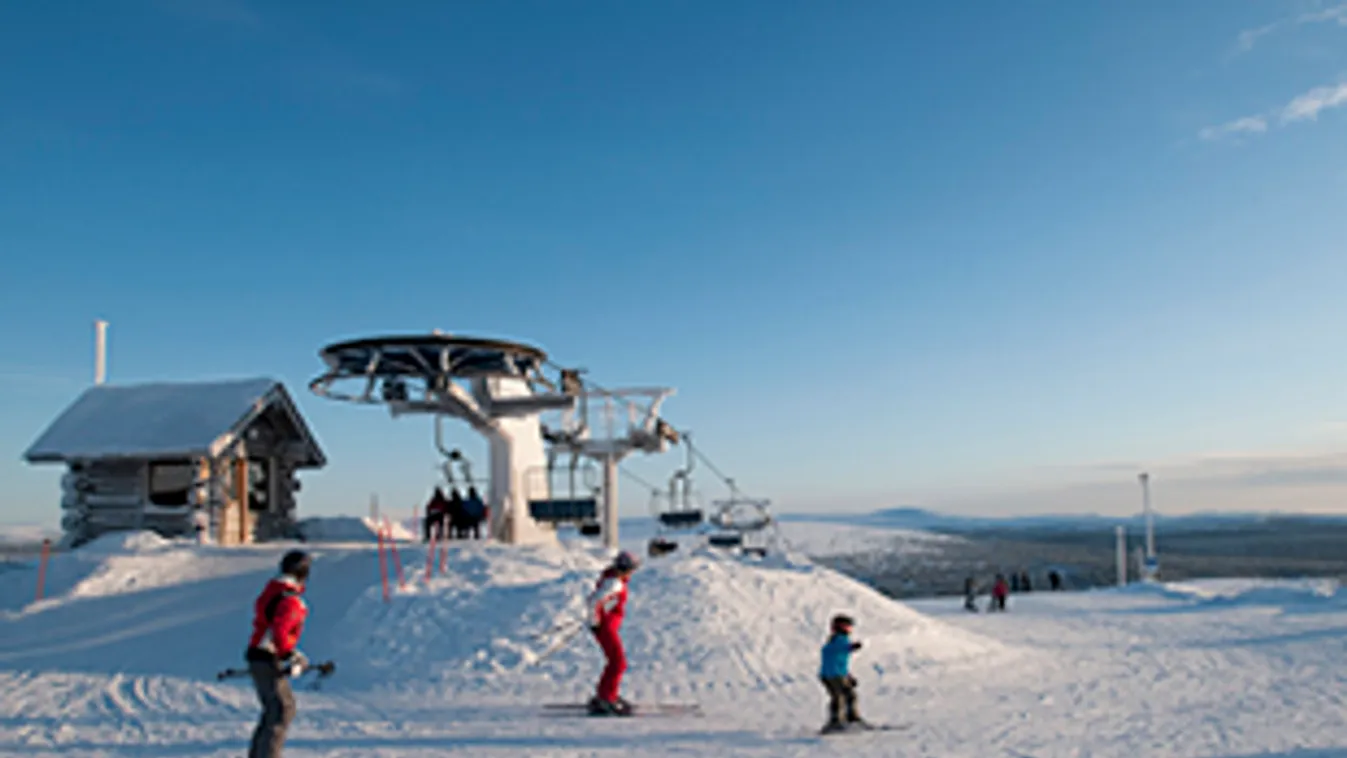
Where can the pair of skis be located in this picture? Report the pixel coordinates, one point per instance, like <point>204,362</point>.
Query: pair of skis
<point>867,728</point>
<point>637,710</point>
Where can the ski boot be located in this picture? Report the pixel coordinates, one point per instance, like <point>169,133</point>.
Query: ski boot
<point>599,707</point>
<point>833,726</point>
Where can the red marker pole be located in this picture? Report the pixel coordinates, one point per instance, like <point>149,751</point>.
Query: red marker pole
<point>430,555</point>
<point>397,559</point>
<point>42,567</point>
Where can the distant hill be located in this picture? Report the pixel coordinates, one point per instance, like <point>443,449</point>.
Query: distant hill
<point>910,517</point>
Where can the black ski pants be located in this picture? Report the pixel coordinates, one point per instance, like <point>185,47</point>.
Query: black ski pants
<point>841,693</point>
<point>278,709</point>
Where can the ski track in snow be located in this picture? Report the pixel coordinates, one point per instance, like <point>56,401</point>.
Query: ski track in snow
<point>120,661</point>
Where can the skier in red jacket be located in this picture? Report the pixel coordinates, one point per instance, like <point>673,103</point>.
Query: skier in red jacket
<point>273,652</point>
<point>606,607</point>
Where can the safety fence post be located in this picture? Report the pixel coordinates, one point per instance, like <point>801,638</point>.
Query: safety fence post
<point>430,555</point>
<point>42,567</point>
<point>397,559</point>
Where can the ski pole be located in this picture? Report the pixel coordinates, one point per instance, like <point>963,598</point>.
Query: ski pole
<point>324,669</point>
<point>558,645</point>
<point>565,625</point>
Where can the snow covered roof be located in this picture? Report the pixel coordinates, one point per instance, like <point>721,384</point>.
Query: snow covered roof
<point>166,420</point>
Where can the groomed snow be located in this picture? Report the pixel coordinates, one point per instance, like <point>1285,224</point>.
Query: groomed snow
<point>351,529</point>
<point>120,661</point>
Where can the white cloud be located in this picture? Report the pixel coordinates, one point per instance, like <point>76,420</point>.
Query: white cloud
<point>1309,105</point>
<point>1249,37</point>
<point>1306,107</point>
<point>1246,125</point>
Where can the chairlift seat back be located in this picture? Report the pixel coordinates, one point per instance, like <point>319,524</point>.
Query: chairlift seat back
<point>725,540</point>
<point>563,510</point>
<point>681,519</point>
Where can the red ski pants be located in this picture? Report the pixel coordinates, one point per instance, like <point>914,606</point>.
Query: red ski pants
<point>611,681</point>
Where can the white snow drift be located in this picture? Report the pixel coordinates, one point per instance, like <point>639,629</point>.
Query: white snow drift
<point>119,661</point>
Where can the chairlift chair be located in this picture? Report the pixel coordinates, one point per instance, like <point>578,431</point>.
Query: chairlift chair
<point>574,508</point>
<point>680,514</point>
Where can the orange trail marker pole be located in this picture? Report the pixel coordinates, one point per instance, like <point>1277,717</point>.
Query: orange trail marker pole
<point>42,567</point>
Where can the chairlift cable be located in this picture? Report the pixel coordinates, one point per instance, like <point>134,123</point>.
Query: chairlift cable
<point>636,478</point>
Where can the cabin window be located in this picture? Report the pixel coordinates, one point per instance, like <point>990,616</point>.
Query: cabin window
<point>171,482</point>
<point>259,485</point>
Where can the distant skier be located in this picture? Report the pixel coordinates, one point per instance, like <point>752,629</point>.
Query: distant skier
<point>1025,584</point>
<point>835,672</point>
<point>605,608</point>
<point>1055,580</point>
<point>273,652</point>
<point>1000,590</point>
<point>970,595</point>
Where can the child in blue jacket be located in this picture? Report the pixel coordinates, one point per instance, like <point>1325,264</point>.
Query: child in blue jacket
<point>836,675</point>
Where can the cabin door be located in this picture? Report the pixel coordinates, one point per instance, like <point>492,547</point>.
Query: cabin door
<point>237,520</point>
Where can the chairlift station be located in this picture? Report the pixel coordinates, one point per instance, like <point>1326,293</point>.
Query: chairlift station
<point>501,388</point>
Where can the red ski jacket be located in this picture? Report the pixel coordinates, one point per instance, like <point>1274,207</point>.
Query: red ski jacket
<point>608,603</point>
<point>278,620</point>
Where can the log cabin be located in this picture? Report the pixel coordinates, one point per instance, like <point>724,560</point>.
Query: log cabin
<point>217,461</point>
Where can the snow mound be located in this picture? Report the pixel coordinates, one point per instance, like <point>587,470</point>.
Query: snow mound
<point>129,562</point>
<point>1287,594</point>
<point>704,624</point>
<point>350,529</point>
<point>125,543</point>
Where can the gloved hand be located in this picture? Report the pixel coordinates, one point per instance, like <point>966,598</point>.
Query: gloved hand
<point>855,646</point>
<point>851,680</point>
<point>294,664</point>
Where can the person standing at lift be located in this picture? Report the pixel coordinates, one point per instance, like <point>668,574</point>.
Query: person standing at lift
<point>273,652</point>
<point>606,607</point>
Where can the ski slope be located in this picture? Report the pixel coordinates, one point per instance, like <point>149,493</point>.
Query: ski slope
<point>119,661</point>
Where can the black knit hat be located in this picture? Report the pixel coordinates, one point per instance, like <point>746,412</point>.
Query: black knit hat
<point>296,563</point>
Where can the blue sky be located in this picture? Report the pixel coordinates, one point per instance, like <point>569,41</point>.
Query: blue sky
<point>985,257</point>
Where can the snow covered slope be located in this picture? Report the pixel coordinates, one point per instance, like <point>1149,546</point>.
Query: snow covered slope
<point>703,626</point>
<point>120,661</point>
<point>352,529</point>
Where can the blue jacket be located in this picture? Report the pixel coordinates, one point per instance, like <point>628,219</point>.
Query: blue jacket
<point>836,657</point>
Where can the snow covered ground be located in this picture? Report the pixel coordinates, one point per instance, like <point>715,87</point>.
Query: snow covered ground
<point>119,661</point>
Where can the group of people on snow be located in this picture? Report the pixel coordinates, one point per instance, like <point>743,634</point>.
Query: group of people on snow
<point>453,517</point>
<point>279,614</point>
<point>1001,589</point>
